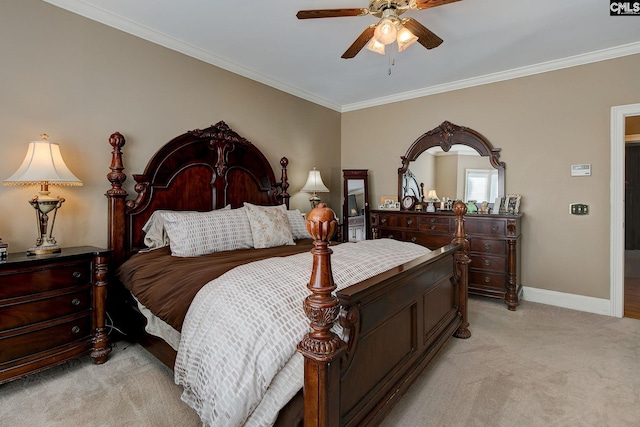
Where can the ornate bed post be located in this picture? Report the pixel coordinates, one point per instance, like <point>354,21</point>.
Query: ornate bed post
<point>462,268</point>
<point>117,197</point>
<point>321,348</point>
<point>284,181</point>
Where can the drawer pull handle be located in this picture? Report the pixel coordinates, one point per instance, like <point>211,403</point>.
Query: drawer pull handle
<point>487,246</point>
<point>75,329</point>
<point>433,227</point>
<point>414,239</point>
<point>383,220</point>
<point>487,279</point>
<point>75,301</point>
<point>487,262</point>
<point>433,220</point>
<point>77,275</point>
<point>409,222</point>
<point>494,227</point>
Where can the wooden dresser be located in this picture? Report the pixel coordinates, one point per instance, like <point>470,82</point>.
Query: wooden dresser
<point>494,244</point>
<point>52,309</point>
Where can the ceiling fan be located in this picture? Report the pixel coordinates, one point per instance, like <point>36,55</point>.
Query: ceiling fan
<point>390,26</point>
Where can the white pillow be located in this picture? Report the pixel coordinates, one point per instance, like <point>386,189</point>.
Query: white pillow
<point>298,225</point>
<point>200,233</point>
<point>155,235</point>
<point>269,225</point>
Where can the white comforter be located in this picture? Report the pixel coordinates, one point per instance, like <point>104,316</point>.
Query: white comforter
<point>237,359</point>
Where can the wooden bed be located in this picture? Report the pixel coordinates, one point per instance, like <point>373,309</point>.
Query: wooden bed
<point>394,323</point>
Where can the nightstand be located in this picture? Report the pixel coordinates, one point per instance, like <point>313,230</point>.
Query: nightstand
<point>52,309</point>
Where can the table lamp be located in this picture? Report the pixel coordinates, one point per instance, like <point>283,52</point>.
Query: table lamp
<point>43,166</point>
<point>314,185</point>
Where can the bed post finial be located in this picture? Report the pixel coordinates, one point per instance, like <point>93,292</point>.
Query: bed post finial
<point>321,347</point>
<point>462,261</point>
<point>284,181</point>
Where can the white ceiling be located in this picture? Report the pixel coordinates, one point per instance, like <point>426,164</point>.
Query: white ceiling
<point>484,41</point>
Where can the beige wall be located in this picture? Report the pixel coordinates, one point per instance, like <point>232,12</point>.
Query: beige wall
<point>544,124</point>
<point>79,81</point>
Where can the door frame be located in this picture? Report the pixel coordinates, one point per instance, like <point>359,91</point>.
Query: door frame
<point>616,259</point>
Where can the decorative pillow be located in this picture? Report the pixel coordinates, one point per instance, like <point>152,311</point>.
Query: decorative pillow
<point>155,234</point>
<point>269,225</point>
<point>298,225</point>
<point>200,233</point>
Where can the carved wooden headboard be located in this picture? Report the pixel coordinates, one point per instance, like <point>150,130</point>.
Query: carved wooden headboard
<point>199,170</point>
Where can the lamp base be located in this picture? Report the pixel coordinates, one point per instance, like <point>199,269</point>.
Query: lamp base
<point>48,246</point>
<point>43,251</point>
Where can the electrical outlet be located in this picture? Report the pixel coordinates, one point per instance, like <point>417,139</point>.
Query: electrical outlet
<point>578,209</point>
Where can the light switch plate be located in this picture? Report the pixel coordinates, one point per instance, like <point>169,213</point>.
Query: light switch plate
<point>578,209</point>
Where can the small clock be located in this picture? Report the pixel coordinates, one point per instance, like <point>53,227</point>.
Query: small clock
<point>408,202</point>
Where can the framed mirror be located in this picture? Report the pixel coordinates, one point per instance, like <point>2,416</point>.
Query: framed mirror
<point>355,208</point>
<point>454,162</point>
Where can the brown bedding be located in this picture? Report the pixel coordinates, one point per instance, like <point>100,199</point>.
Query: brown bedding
<point>166,285</point>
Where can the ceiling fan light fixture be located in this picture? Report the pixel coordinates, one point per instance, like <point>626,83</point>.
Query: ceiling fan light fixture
<point>375,46</point>
<point>405,39</point>
<point>386,31</point>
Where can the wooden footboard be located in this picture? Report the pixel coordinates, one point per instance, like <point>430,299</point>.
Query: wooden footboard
<point>394,324</point>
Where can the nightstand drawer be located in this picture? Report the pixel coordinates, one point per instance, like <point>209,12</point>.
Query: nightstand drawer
<point>28,312</point>
<point>44,278</point>
<point>25,344</point>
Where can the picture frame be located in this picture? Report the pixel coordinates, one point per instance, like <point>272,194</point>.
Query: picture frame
<point>512,204</point>
<point>389,202</point>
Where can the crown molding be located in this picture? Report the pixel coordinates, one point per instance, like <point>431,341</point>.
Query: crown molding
<point>94,13</point>
<point>572,61</point>
<point>121,23</point>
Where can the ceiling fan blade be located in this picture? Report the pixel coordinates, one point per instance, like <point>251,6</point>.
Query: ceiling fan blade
<point>425,4</point>
<point>425,37</point>
<point>360,42</point>
<point>330,13</point>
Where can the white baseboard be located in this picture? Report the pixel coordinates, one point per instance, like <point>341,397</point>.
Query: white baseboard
<point>572,301</point>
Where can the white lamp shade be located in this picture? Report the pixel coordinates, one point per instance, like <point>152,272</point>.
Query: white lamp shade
<point>43,163</point>
<point>375,46</point>
<point>433,196</point>
<point>405,39</point>
<point>314,183</point>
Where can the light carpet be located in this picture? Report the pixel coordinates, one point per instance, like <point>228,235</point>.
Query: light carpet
<point>538,366</point>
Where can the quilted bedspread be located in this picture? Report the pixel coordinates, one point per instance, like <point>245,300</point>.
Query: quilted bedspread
<point>237,359</point>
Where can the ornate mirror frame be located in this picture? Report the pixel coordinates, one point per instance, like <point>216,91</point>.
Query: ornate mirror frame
<point>445,136</point>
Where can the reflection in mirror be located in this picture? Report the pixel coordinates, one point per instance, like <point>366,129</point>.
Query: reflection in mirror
<point>356,206</point>
<point>460,174</point>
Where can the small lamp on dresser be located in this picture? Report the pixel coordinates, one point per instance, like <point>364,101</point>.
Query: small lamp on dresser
<point>43,166</point>
<point>432,198</point>
<point>314,185</point>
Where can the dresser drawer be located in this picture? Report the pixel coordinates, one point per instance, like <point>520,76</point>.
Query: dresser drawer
<point>435,225</point>
<point>487,263</point>
<point>489,280</point>
<point>488,246</point>
<point>25,344</point>
<point>398,221</point>
<point>494,227</point>
<point>430,241</point>
<point>44,278</point>
<point>32,311</point>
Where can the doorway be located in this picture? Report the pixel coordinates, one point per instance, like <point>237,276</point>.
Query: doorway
<point>632,222</point>
<point>617,236</point>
